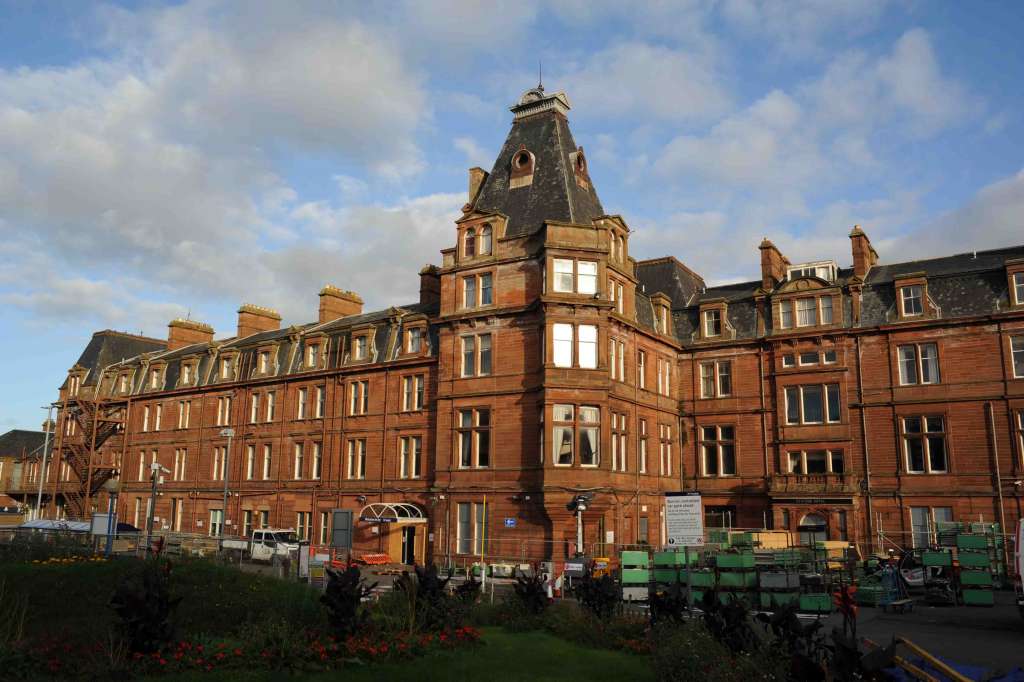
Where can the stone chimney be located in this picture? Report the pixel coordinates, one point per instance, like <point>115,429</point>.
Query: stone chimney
<point>864,255</point>
<point>430,284</point>
<point>477,176</point>
<point>181,333</point>
<point>253,319</point>
<point>336,303</point>
<point>773,265</point>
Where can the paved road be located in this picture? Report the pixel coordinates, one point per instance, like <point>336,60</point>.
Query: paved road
<point>987,637</point>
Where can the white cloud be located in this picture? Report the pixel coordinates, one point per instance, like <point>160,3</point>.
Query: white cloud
<point>644,81</point>
<point>475,154</point>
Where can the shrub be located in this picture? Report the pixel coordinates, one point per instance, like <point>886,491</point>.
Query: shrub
<point>144,604</point>
<point>532,593</point>
<point>690,652</point>
<point>669,606</point>
<point>600,596</point>
<point>343,599</point>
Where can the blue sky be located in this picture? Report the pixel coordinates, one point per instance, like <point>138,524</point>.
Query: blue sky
<point>159,160</point>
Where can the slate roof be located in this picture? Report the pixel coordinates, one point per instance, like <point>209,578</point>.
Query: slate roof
<point>19,442</point>
<point>108,347</point>
<point>288,341</point>
<point>961,285</point>
<point>553,194</point>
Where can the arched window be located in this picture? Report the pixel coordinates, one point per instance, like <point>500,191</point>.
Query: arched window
<point>812,528</point>
<point>469,248</point>
<point>485,240</point>
<point>622,249</point>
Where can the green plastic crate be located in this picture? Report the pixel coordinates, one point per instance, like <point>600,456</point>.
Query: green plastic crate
<point>702,579</point>
<point>737,579</point>
<point>666,575</point>
<point>730,560</point>
<point>697,596</point>
<point>974,559</point>
<point>638,559</point>
<point>976,578</point>
<point>979,597</point>
<point>937,558</point>
<point>634,576</point>
<point>964,541</point>
<point>741,539</point>
<point>816,603</point>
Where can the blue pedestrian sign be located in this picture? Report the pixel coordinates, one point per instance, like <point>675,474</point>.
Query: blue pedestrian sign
<point>510,523</point>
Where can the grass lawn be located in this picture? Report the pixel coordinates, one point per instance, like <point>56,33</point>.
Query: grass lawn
<point>503,657</point>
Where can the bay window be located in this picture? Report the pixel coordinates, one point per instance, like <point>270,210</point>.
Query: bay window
<point>570,422</point>
<point>572,276</point>
<point>813,404</point>
<point>815,462</point>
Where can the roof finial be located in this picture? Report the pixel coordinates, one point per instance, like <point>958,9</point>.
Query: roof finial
<point>540,75</point>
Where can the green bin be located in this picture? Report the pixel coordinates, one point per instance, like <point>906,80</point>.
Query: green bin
<point>816,603</point>
<point>730,560</point>
<point>976,578</point>
<point>974,559</point>
<point>937,558</point>
<point>737,579</point>
<point>702,578</point>
<point>964,541</point>
<point>979,597</point>
<point>634,576</point>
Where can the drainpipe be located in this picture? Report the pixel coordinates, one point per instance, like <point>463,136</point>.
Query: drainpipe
<point>999,480</point>
<point>864,440</point>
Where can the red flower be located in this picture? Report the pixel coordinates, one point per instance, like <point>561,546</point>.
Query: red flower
<point>238,652</point>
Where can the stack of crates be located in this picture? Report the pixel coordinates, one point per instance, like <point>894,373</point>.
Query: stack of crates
<point>973,552</point>
<point>737,578</point>
<point>669,567</point>
<point>636,575</point>
<point>814,597</point>
<point>778,588</point>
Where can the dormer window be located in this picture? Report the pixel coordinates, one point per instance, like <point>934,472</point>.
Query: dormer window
<point>154,378</point>
<point>821,270</point>
<point>263,361</point>
<point>911,300</point>
<point>123,384</point>
<point>521,172</point>
<point>359,346</point>
<point>523,160</point>
<point>313,355</point>
<point>187,373</point>
<point>712,323</point>
<point>469,244</point>
<point>414,340</point>
<point>74,383</point>
<point>485,240</point>
<point>1018,288</point>
<point>225,368</point>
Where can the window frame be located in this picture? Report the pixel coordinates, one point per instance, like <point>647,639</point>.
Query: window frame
<point>478,355</point>
<point>715,377</point>
<point>712,323</point>
<point>1017,355</point>
<point>918,359</point>
<point>832,455</point>
<point>906,289</point>
<point>476,433</point>
<point>719,442</point>
<point>355,460</point>
<point>827,417</point>
<point>925,437</point>
<point>558,270</point>
<point>410,456</point>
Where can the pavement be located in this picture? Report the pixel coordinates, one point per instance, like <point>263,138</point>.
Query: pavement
<point>988,637</point>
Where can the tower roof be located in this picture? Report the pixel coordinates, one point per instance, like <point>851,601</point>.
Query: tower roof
<point>559,187</point>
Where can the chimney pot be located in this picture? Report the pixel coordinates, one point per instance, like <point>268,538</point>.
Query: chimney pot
<point>864,255</point>
<point>336,303</point>
<point>181,333</point>
<point>773,265</point>
<point>477,176</point>
<point>430,284</point>
<point>253,319</point>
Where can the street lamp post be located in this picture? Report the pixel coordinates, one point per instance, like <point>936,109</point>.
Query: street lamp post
<point>42,470</point>
<point>579,505</point>
<point>154,476</point>
<point>112,486</point>
<point>229,434</point>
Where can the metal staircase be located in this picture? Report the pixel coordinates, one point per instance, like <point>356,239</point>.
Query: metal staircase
<point>95,422</point>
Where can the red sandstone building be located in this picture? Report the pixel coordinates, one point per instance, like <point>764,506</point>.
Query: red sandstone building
<point>542,361</point>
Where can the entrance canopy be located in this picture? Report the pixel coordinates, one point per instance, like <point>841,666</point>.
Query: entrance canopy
<point>392,512</point>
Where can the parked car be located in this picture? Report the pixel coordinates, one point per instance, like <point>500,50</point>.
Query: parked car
<point>264,545</point>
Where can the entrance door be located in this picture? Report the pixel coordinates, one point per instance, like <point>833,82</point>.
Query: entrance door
<point>409,544</point>
<point>813,528</point>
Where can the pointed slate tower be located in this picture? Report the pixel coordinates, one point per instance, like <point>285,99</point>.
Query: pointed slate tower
<point>540,173</point>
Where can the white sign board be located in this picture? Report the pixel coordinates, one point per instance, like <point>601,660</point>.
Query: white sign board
<point>684,520</point>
